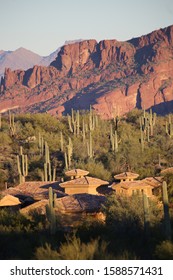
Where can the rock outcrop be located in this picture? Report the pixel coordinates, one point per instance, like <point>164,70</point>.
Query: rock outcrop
<point>114,77</point>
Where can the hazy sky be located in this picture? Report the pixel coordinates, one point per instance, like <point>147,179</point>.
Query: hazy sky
<point>44,25</point>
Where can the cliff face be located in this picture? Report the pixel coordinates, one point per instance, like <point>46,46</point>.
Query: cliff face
<point>114,77</point>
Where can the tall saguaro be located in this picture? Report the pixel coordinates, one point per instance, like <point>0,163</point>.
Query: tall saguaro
<point>167,223</point>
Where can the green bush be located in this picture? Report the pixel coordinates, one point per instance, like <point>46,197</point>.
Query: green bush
<point>96,169</point>
<point>126,214</point>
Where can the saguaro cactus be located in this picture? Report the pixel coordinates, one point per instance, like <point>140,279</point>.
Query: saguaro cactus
<point>41,144</point>
<point>142,139</point>
<point>74,122</point>
<point>146,215</point>
<point>167,223</point>
<point>22,165</point>
<point>61,141</point>
<point>68,154</point>
<point>90,146</point>
<point>48,174</point>
<point>169,127</point>
<point>83,130</point>
<point>50,211</point>
<point>152,121</point>
<point>114,140</point>
<point>147,123</point>
<point>12,125</point>
<point>91,120</point>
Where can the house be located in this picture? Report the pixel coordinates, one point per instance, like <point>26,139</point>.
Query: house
<point>84,184</point>
<point>128,186</point>
<point>133,187</point>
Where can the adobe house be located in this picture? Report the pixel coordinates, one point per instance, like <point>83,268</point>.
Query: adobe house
<point>76,173</point>
<point>133,187</point>
<point>84,184</point>
<point>128,186</point>
<point>10,201</point>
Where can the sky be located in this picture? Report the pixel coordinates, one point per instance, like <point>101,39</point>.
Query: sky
<point>44,25</point>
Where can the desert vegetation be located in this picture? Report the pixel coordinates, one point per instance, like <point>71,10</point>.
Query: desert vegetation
<point>36,147</point>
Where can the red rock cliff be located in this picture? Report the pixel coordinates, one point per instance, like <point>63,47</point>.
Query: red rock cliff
<point>108,75</point>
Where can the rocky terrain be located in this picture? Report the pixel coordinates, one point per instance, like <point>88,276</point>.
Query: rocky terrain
<point>23,59</point>
<point>114,77</point>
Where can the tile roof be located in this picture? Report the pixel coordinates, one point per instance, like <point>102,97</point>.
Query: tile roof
<point>9,200</point>
<point>132,184</point>
<point>77,203</point>
<point>76,172</point>
<point>39,206</point>
<point>86,181</point>
<point>167,170</point>
<point>153,181</point>
<point>37,190</point>
<point>81,203</point>
<point>126,175</point>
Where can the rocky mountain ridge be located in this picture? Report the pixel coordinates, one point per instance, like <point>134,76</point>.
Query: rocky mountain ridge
<point>23,59</point>
<point>114,77</point>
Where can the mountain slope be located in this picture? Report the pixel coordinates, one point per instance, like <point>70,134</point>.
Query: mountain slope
<point>114,77</point>
<point>19,59</point>
<point>25,59</point>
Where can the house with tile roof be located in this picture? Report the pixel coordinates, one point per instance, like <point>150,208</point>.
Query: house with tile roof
<point>128,186</point>
<point>134,187</point>
<point>84,184</point>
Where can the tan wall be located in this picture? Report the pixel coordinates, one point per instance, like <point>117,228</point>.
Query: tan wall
<point>76,190</point>
<point>147,191</point>
<point>130,191</point>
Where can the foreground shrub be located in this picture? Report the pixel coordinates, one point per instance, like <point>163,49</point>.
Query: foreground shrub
<point>74,249</point>
<point>164,251</point>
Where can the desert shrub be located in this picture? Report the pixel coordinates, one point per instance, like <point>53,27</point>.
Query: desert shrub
<point>3,179</point>
<point>125,214</point>
<point>91,227</point>
<point>164,251</point>
<point>96,169</point>
<point>133,116</point>
<point>126,255</point>
<point>5,139</point>
<point>74,249</point>
<point>46,253</point>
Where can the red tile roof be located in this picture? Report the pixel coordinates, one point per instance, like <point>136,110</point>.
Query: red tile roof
<point>86,181</point>
<point>76,172</point>
<point>37,190</point>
